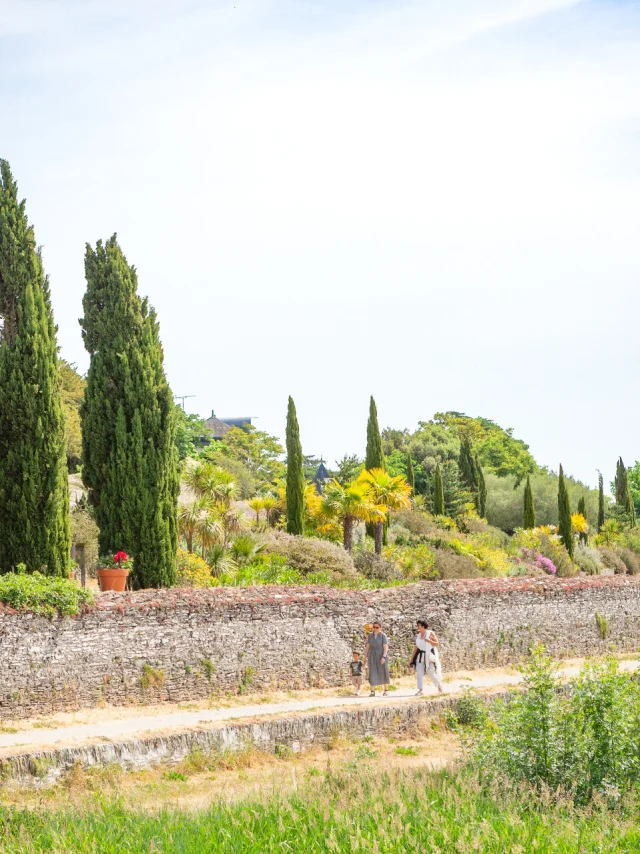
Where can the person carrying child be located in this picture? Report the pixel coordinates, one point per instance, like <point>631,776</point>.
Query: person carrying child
<point>425,657</point>
<point>355,669</point>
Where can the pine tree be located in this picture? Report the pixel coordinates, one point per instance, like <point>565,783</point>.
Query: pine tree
<point>34,492</point>
<point>481,494</point>
<point>529,515</point>
<point>582,509</point>
<point>130,465</point>
<point>411,477</point>
<point>564,514</point>
<point>600,502</point>
<point>438,492</point>
<point>374,457</point>
<point>295,475</point>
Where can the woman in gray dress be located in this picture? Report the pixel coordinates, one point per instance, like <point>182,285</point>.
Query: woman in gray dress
<point>377,657</point>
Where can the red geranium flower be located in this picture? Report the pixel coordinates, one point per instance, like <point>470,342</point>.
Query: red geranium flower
<point>120,557</point>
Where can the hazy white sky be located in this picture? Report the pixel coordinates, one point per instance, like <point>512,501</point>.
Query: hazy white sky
<point>436,203</point>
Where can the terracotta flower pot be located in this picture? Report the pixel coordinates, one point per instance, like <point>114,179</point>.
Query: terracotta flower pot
<point>113,578</point>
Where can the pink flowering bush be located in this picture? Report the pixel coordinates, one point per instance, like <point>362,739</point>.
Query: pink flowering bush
<point>536,559</point>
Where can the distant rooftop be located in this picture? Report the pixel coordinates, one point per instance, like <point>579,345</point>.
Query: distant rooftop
<point>220,426</point>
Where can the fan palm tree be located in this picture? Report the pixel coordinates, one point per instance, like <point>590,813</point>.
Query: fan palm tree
<point>392,493</point>
<point>268,504</point>
<point>348,505</point>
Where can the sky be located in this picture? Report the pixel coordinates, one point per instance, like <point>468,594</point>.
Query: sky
<point>435,203</point>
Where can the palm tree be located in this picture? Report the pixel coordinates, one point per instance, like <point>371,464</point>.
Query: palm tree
<point>268,504</point>
<point>257,505</point>
<point>211,481</point>
<point>220,560</point>
<point>210,529</point>
<point>189,519</point>
<point>350,504</point>
<point>200,520</point>
<point>391,493</point>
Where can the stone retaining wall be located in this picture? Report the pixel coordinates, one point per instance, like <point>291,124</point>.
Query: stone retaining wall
<point>186,644</point>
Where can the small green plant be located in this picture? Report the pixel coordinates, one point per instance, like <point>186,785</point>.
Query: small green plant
<point>209,669</point>
<point>175,775</point>
<point>603,626</point>
<point>152,677</point>
<point>470,710</point>
<point>283,751</point>
<point>363,751</point>
<point>450,719</point>
<point>406,751</point>
<point>246,679</point>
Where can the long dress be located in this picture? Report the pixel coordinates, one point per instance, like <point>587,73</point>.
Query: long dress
<point>378,672</point>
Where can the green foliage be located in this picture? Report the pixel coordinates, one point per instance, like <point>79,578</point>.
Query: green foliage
<point>624,501</point>
<point>410,475</point>
<point>42,594</point>
<point>34,492</point>
<point>85,531</point>
<point>600,502</point>
<point>481,493</point>
<point>190,434</point>
<point>582,510</point>
<point>311,555</point>
<point>193,571</point>
<point>257,451</point>
<point>633,477</point>
<point>589,560</point>
<point>349,467</point>
<point>374,458</point>
<point>586,741</point>
<point>295,476</point>
<point>471,710</point>
<point>128,421</point>
<point>529,514</point>
<point>564,515</point>
<point>603,626</point>
<point>72,387</point>
<point>438,505</point>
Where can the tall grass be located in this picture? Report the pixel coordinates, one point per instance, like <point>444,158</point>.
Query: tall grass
<point>350,811</point>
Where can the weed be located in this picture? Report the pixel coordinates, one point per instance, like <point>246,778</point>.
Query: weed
<point>151,677</point>
<point>603,626</point>
<point>209,669</point>
<point>175,775</point>
<point>246,679</point>
<point>406,751</point>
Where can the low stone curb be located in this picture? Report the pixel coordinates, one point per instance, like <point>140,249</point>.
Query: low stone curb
<point>268,734</point>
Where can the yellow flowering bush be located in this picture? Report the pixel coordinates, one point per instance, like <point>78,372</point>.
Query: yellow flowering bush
<point>193,571</point>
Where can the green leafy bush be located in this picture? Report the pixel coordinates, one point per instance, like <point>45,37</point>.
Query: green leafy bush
<point>631,560</point>
<point>42,594</point>
<point>584,741</point>
<point>588,559</point>
<point>371,565</point>
<point>612,560</point>
<point>450,565</point>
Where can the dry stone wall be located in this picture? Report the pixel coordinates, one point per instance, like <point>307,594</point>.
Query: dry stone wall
<point>181,645</point>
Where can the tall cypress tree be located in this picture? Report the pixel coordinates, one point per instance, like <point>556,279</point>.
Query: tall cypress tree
<point>624,500</point>
<point>128,421</point>
<point>481,493</point>
<point>600,502</point>
<point>467,466</point>
<point>564,514</point>
<point>438,492</point>
<point>529,515</point>
<point>374,457</point>
<point>34,492</point>
<point>295,475</point>
<point>582,509</point>
<point>411,477</point>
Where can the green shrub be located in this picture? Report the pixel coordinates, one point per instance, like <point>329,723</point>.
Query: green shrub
<point>193,571</point>
<point>583,741</point>
<point>450,565</point>
<point>588,559</point>
<point>42,594</point>
<point>470,710</point>
<point>631,560</point>
<point>612,560</point>
<point>310,554</point>
<point>417,522</point>
<point>372,566</point>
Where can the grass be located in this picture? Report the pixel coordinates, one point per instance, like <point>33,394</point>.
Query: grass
<point>341,811</point>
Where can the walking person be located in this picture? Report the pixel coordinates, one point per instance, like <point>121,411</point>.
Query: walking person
<point>426,658</point>
<point>377,657</point>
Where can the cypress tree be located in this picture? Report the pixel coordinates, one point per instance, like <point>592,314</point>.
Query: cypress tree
<point>34,492</point>
<point>529,515</point>
<point>582,509</point>
<point>600,502</point>
<point>374,457</point>
<point>128,421</point>
<point>624,500</point>
<point>438,492</point>
<point>411,477</point>
<point>564,514</point>
<point>481,494</point>
<point>467,466</point>
<point>295,476</point>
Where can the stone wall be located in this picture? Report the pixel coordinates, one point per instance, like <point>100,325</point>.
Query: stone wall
<point>186,644</point>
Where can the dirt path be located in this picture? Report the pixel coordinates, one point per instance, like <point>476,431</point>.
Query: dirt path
<point>111,723</point>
